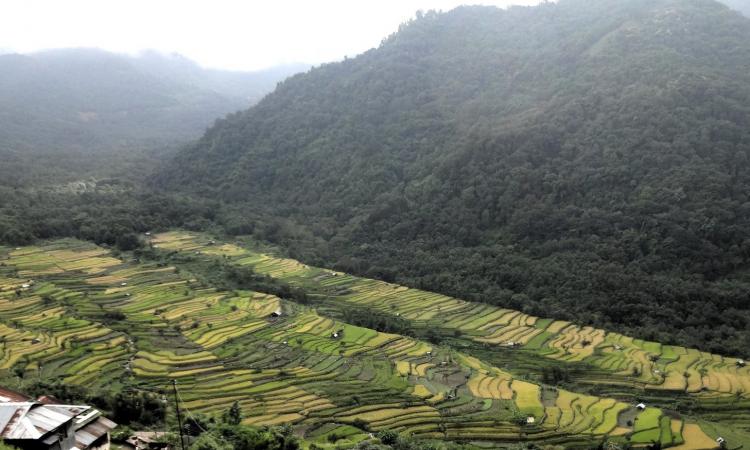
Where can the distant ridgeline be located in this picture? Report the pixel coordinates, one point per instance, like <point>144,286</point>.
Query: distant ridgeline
<point>587,160</point>
<point>92,100</point>
<point>70,311</point>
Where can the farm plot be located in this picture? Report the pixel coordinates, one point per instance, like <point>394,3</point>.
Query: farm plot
<point>647,364</point>
<point>142,325</point>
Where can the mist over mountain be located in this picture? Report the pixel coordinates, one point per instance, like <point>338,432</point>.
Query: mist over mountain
<point>91,100</point>
<point>742,6</point>
<point>584,160</point>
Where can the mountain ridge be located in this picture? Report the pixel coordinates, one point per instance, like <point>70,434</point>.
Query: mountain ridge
<point>568,158</point>
<point>89,99</point>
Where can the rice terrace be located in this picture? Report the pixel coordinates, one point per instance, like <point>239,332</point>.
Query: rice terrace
<point>74,312</point>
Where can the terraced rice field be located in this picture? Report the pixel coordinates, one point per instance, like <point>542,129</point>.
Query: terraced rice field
<point>648,364</point>
<point>287,363</point>
<point>624,360</point>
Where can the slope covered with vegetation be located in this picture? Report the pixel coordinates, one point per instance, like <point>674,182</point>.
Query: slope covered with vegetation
<point>91,100</point>
<point>196,310</point>
<point>582,160</point>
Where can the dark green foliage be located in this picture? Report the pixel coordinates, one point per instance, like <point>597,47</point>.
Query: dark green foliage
<point>114,316</point>
<point>127,242</point>
<point>233,416</point>
<point>245,438</point>
<point>99,215</point>
<point>194,425</point>
<point>361,424</point>
<point>579,160</point>
<point>386,323</point>
<point>137,407</point>
<point>209,442</point>
<point>388,437</point>
<point>129,407</point>
<point>555,375</point>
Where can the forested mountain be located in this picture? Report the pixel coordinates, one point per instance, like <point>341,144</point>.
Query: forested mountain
<point>582,160</point>
<point>92,100</point>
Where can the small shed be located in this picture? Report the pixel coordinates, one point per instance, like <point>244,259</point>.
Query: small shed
<point>530,420</point>
<point>720,440</point>
<point>641,406</point>
<point>741,363</point>
<point>276,313</point>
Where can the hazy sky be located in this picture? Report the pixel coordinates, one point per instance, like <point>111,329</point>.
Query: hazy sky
<point>231,34</point>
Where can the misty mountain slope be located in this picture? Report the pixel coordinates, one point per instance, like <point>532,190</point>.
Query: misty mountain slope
<point>585,160</point>
<point>742,6</point>
<point>83,99</point>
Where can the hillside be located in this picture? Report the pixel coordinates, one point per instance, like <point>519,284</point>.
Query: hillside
<point>90,100</point>
<point>582,160</point>
<point>81,319</point>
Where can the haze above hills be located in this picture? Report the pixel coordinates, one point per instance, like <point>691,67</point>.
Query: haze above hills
<point>91,100</point>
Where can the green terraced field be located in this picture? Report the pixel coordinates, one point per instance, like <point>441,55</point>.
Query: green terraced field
<point>323,375</point>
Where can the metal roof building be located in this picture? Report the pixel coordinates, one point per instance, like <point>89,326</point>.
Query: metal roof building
<point>32,425</point>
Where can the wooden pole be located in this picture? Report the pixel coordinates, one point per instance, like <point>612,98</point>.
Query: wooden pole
<point>179,419</point>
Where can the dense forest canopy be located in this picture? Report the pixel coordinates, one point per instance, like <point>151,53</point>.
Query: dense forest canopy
<point>582,160</point>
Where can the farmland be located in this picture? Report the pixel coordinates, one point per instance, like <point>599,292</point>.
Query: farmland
<point>75,312</point>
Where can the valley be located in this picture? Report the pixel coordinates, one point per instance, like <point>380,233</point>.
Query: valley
<point>469,227</point>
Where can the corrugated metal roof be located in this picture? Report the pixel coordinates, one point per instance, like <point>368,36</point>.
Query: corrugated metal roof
<point>22,419</point>
<point>46,418</point>
<point>6,414</point>
<point>10,414</point>
<point>34,420</point>
<point>93,431</point>
<point>15,413</point>
<point>6,395</point>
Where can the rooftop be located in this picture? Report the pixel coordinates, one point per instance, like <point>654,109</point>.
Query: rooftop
<point>22,418</point>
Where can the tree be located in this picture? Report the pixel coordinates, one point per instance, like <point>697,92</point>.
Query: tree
<point>233,416</point>
<point>388,437</point>
<point>208,442</point>
<point>128,242</point>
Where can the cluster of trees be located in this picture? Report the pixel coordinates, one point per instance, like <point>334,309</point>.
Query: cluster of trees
<point>129,407</point>
<point>228,433</point>
<point>575,160</point>
<point>375,320</point>
<point>101,214</point>
<point>239,437</point>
